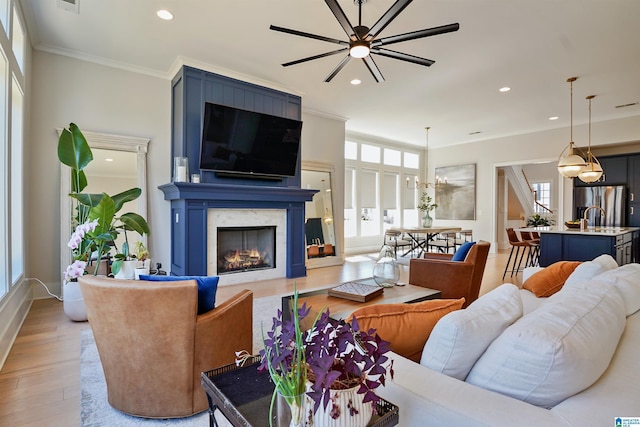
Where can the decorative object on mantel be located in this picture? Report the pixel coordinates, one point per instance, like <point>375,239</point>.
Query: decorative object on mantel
<point>96,225</point>
<point>363,41</point>
<point>593,170</point>
<point>309,368</point>
<point>572,164</point>
<point>180,169</point>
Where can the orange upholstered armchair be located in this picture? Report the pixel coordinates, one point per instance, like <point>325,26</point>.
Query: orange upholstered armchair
<point>455,279</point>
<point>153,346</point>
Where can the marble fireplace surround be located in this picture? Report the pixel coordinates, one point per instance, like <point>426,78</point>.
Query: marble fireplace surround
<point>247,218</point>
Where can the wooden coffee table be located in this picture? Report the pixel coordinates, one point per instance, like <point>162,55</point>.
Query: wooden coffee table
<point>340,308</point>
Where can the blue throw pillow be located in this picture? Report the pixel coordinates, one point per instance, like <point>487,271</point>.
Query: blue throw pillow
<point>207,287</point>
<point>461,253</point>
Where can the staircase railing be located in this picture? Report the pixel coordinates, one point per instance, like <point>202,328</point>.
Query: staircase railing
<point>535,194</point>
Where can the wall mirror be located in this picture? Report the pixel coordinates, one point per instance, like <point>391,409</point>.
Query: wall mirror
<point>119,163</point>
<point>320,233</point>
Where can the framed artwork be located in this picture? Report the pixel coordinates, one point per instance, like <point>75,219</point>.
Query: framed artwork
<point>456,192</point>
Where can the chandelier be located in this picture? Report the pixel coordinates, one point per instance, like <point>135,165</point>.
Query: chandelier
<point>427,184</point>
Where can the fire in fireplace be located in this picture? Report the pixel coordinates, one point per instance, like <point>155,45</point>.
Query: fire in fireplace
<point>246,248</point>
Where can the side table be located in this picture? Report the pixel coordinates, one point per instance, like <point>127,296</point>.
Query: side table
<point>243,396</point>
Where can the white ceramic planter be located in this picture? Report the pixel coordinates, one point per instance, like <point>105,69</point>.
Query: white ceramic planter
<point>348,403</point>
<point>128,270</point>
<point>73,302</point>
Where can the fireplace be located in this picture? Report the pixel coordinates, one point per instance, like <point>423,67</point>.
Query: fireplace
<point>197,210</point>
<point>243,249</point>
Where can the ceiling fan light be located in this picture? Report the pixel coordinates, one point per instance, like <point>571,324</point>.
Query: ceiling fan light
<point>359,49</point>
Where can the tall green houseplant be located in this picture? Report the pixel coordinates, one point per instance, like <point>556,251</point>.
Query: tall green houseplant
<point>94,215</point>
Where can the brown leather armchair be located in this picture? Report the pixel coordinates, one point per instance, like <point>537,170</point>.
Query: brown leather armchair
<point>153,346</point>
<point>455,279</point>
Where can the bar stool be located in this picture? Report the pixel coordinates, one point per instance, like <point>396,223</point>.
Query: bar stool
<point>534,247</point>
<point>516,244</point>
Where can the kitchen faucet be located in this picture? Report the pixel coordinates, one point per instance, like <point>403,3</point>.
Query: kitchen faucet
<point>583,221</point>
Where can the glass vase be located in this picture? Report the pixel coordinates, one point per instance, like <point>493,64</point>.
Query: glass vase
<point>386,271</point>
<point>289,410</point>
<point>427,221</point>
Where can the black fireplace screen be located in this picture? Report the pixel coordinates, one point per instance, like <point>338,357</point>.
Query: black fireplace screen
<point>246,248</point>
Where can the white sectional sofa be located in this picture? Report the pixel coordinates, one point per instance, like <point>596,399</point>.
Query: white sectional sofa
<point>597,352</point>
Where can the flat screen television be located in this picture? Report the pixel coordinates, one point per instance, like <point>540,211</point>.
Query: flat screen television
<point>236,141</point>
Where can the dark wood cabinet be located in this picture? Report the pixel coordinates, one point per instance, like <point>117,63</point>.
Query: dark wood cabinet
<point>615,172</point>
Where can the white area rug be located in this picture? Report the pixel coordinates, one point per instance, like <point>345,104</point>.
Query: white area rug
<point>95,410</point>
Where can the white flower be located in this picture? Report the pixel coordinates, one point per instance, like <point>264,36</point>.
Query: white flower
<point>81,230</point>
<point>74,270</point>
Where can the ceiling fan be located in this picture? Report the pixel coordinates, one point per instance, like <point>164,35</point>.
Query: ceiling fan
<point>363,40</point>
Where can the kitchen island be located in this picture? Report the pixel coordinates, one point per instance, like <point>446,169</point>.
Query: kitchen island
<point>569,244</point>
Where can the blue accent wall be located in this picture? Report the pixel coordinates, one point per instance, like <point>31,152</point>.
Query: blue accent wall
<point>191,88</point>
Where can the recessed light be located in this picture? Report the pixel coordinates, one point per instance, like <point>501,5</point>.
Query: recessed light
<point>108,160</point>
<point>553,118</point>
<point>356,81</point>
<point>164,14</point>
<point>505,89</point>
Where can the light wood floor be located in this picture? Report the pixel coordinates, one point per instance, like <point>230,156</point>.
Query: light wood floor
<point>40,381</point>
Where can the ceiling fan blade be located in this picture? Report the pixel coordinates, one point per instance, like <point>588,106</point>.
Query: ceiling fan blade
<point>308,35</point>
<point>336,70</point>
<point>341,17</point>
<point>310,58</point>
<point>416,35</point>
<point>388,16</point>
<point>403,57</point>
<point>373,68</point>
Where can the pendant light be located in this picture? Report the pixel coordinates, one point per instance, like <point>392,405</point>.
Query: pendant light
<point>572,164</point>
<point>593,170</point>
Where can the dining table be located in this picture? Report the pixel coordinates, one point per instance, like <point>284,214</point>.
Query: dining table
<point>421,236</point>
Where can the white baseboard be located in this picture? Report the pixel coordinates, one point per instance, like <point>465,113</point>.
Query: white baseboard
<point>14,308</point>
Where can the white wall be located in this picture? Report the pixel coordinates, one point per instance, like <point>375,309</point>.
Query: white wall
<point>100,99</point>
<point>521,149</point>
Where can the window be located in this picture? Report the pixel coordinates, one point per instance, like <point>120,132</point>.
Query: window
<point>377,196</point>
<point>12,105</point>
<point>4,217</point>
<point>4,7</point>
<point>543,196</point>
<point>392,157</point>
<point>17,235</point>
<point>370,153</point>
<point>17,39</point>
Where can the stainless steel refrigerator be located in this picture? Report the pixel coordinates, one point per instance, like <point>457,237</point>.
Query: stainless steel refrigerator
<point>611,198</point>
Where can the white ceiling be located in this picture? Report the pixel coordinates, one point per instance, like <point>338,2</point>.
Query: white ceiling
<point>531,46</point>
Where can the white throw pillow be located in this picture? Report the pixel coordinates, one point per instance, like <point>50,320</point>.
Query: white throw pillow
<point>556,351</point>
<point>606,261</point>
<point>626,280</point>
<point>590,269</point>
<point>460,337</point>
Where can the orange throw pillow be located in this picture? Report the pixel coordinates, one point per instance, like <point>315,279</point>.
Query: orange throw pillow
<point>405,326</point>
<point>547,282</point>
